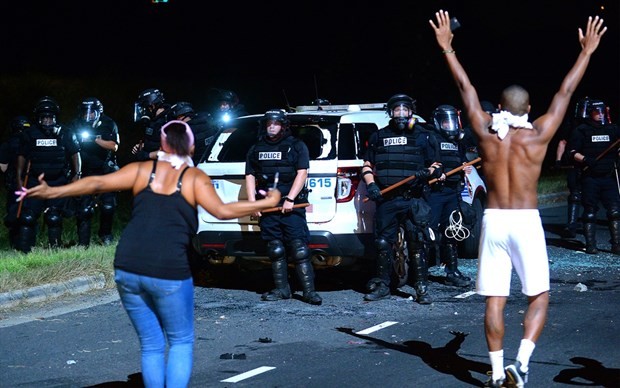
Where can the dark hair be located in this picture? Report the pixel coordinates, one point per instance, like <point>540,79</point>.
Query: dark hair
<point>178,136</point>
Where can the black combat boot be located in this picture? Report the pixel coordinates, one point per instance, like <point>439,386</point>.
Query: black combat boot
<point>589,231</point>
<point>454,277</point>
<point>280,278</point>
<point>614,231</point>
<point>379,287</point>
<point>83,232</point>
<point>305,273</point>
<point>420,274</point>
<point>570,231</point>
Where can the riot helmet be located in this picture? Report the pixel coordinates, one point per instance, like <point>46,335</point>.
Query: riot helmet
<point>90,110</point>
<point>598,112</point>
<point>447,120</point>
<point>147,104</point>
<point>400,108</point>
<point>488,107</point>
<point>274,115</point>
<point>19,124</point>
<point>181,110</point>
<point>46,113</point>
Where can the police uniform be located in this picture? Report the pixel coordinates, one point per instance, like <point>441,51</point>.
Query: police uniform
<point>8,156</point>
<point>598,179</point>
<point>396,155</point>
<point>284,156</point>
<point>96,160</point>
<point>445,199</point>
<point>49,152</point>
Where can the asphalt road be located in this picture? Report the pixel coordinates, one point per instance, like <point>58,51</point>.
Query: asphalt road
<point>86,340</point>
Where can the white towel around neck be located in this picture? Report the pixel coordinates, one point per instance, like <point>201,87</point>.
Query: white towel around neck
<point>503,120</point>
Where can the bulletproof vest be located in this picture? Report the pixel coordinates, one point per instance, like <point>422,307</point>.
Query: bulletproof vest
<point>47,154</point>
<point>272,158</point>
<point>204,128</point>
<point>596,140</point>
<point>93,155</point>
<point>397,156</point>
<point>450,158</point>
<point>152,133</point>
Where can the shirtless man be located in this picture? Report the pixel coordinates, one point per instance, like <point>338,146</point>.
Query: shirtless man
<point>512,235</point>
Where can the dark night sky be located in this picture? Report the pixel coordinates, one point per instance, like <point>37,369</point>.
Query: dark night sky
<point>340,50</point>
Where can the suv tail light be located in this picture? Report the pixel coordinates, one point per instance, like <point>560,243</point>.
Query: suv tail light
<point>346,183</point>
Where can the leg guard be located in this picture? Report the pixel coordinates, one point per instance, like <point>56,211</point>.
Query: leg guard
<point>613,216</point>
<point>379,287</point>
<point>589,231</point>
<point>53,220</point>
<point>573,215</point>
<point>106,219</point>
<point>305,273</point>
<point>417,255</point>
<point>454,277</point>
<point>279,270</point>
<point>84,219</point>
<point>26,231</point>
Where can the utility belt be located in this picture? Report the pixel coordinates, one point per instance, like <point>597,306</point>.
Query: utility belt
<point>440,185</point>
<point>406,192</point>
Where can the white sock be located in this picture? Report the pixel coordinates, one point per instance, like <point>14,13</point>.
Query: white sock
<point>497,364</point>
<point>525,352</point>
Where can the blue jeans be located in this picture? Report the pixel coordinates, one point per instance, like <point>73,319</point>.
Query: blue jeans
<point>160,310</point>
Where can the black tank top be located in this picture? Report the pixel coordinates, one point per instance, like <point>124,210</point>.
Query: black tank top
<point>156,240</point>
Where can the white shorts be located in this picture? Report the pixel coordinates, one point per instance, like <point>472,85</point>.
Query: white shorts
<point>512,237</point>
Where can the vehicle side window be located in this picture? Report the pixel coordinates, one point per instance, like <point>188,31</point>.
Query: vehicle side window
<point>353,140</point>
<point>313,137</point>
<point>237,145</point>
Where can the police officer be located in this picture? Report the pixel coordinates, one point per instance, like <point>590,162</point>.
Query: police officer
<point>565,161</point>
<point>98,136</point>
<point>49,149</point>
<point>8,159</point>
<point>445,194</point>
<point>225,106</point>
<point>201,123</point>
<point>395,152</point>
<point>593,146</point>
<point>280,159</point>
<point>151,113</point>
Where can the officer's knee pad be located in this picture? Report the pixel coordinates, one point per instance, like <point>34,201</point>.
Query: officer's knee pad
<point>107,208</point>
<point>299,250</point>
<point>382,244</point>
<point>613,214</point>
<point>53,217</point>
<point>276,250</point>
<point>589,216</point>
<point>85,213</point>
<point>27,218</point>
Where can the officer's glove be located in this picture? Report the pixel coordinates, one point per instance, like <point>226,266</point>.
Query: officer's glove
<point>374,193</point>
<point>588,162</point>
<point>422,174</point>
<point>438,170</point>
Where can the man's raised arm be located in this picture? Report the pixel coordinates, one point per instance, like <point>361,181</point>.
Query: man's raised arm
<point>478,118</point>
<point>589,43</point>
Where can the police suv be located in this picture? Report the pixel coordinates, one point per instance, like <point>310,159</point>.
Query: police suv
<point>339,220</point>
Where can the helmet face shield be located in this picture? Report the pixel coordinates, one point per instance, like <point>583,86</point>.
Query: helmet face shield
<point>401,110</point>
<point>447,121</point>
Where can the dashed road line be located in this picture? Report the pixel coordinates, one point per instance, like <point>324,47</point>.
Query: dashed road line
<point>376,327</point>
<point>248,374</point>
<point>465,295</point>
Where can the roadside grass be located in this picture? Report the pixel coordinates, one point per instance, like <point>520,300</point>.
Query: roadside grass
<point>53,265</point>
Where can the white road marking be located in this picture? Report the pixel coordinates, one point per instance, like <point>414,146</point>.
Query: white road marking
<point>465,295</point>
<point>376,327</point>
<point>248,374</point>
